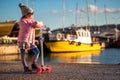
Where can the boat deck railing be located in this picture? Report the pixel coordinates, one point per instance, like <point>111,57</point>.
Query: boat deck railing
<point>8,40</point>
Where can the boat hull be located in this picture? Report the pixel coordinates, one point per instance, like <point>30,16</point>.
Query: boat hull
<point>6,27</point>
<point>67,46</point>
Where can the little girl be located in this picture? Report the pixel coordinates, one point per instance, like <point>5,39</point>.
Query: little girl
<point>26,37</point>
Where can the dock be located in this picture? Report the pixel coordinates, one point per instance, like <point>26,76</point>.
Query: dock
<point>13,70</point>
<point>9,49</point>
<point>8,45</point>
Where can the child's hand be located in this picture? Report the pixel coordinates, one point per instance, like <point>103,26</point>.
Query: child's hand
<point>44,26</point>
<point>40,23</point>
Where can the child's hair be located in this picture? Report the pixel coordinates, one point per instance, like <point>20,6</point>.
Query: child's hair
<point>25,15</point>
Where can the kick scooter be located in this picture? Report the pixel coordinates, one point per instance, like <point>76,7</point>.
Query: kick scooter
<point>42,68</point>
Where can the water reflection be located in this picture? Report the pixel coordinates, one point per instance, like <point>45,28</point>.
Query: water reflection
<point>107,56</point>
<point>9,57</point>
<point>76,57</point>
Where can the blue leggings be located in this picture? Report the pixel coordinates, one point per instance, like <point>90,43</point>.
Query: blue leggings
<point>34,59</point>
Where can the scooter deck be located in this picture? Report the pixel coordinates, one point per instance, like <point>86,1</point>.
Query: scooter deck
<point>41,69</point>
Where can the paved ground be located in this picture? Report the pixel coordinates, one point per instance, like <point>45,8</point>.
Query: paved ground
<point>13,71</point>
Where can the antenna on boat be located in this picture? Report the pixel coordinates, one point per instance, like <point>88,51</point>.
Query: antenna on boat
<point>88,20</point>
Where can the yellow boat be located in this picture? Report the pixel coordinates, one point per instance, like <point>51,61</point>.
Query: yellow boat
<point>6,27</point>
<point>66,46</point>
<point>81,42</point>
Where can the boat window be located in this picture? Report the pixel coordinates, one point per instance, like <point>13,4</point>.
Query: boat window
<point>78,33</point>
<point>82,34</point>
<point>86,34</point>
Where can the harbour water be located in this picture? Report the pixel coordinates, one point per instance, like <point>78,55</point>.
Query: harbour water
<point>106,56</point>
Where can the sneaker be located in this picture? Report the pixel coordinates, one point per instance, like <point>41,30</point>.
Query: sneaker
<point>34,66</point>
<point>27,70</point>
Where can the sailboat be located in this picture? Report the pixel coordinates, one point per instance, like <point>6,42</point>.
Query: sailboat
<point>79,40</point>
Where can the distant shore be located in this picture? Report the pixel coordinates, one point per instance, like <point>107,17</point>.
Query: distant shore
<point>13,70</point>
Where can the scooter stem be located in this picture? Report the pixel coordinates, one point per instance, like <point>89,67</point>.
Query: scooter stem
<point>41,45</point>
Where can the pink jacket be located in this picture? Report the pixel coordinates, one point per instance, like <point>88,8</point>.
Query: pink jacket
<point>27,31</point>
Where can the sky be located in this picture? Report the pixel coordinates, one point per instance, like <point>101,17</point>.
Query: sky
<point>50,12</point>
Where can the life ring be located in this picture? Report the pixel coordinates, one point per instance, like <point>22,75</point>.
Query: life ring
<point>59,36</point>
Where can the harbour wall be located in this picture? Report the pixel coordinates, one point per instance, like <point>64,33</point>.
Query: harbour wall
<point>9,49</point>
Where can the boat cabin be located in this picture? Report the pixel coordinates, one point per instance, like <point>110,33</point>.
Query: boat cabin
<point>83,36</point>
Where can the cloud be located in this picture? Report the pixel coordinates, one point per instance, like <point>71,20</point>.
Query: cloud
<point>55,11</point>
<point>71,11</point>
<point>74,11</point>
<point>91,8</point>
<point>112,10</point>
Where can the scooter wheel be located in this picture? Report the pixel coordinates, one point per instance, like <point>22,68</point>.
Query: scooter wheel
<point>39,70</point>
<point>48,70</point>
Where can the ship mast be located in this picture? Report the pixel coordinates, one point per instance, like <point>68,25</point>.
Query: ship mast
<point>76,14</point>
<point>26,2</point>
<point>88,20</point>
<point>95,14</point>
<point>63,14</point>
<point>33,4</point>
<point>80,20</point>
<point>106,17</point>
<point>105,14</point>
